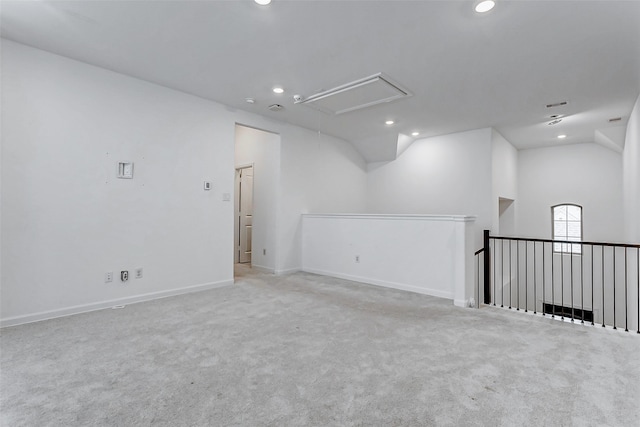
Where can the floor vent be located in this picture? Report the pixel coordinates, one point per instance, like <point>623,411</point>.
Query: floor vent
<point>358,94</point>
<point>578,313</point>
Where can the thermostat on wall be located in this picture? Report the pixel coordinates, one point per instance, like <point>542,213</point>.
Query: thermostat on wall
<point>125,170</point>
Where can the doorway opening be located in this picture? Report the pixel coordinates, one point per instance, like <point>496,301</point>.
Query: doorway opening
<point>257,171</point>
<point>243,215</point>
<point>506,217</point>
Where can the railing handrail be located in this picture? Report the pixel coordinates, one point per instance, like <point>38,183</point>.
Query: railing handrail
<point>619,277</point>
<point>573,242</point>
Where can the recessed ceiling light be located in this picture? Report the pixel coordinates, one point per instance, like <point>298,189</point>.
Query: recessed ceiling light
<point>278,89</point>
<point>562,136</point>
<point>250,100</point>
<point>262,2</point>
<point>415,134</point>
<point>485,6</point>
<point>389,122</point>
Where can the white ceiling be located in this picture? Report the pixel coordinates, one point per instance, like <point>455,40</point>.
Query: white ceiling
<point>465,70</point>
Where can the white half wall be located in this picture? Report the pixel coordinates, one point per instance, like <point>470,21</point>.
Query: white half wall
<point>427,254</point>
<point>588,175</point>
<point>443,175</point>
<point>631,180</point>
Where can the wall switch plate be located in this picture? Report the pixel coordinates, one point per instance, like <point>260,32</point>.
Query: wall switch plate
<point>125,170</point>
<point>108,277</point>
<point>357,258</point>
<point>124,276</point>
<point>139,273</point>
<point>264,252</point>
<point>207,186</point>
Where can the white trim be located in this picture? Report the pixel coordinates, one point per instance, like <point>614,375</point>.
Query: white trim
<point>77,309</point>
<point>262,269</point>
<point>383,283</point>
<point>455,218</point>
<point>468,303</point>
<point>287,271</point>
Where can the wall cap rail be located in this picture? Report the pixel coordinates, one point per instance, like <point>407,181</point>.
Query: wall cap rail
<point>417,217</point>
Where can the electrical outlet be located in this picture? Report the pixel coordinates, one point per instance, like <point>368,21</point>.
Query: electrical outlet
<point>108,277</point>
<point>139,273</point>
<point>124,276</point>
<point>357,258</point>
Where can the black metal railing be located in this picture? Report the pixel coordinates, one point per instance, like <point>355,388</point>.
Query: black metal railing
<point>590,282</point>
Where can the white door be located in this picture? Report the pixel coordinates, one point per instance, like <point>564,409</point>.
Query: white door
<point>244,214</point>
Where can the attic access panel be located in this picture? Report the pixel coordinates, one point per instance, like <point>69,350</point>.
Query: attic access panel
<point>356,95</point>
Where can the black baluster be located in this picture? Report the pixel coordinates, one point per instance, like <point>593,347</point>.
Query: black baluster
<point>571,255</point>
<point>502,273</point>
<point>638,276</point>
<point>510,275</point>
<point>582,280</point>
<point>553,293</point>
<point>495,296</point>
<point>614,287</point>
<point>535,301</point>
<point>526,274</point>
<point>518,275</point>
<point>544,274</point>
<point>602,286</point>
<point>562,282</point>
<point>592,307</point>
<point>626,305</point>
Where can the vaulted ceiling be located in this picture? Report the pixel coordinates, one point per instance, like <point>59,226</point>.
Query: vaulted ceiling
<point>464,70</point>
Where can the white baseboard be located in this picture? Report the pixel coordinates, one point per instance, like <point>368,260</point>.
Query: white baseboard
<point>262,269</point>
<point>287,271</point>
<point>468,303</point>
<point>400,286</point>
<point>68,311</point>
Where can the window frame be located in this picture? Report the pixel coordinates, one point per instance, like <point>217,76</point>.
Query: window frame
<point>570,250</point>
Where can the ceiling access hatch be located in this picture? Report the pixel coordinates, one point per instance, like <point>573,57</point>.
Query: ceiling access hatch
<point>356,95</point>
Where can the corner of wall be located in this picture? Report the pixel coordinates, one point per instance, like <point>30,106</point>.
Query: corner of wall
<point>631,176</point>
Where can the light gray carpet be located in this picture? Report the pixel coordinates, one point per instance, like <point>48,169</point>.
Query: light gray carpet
<point>309,350</point>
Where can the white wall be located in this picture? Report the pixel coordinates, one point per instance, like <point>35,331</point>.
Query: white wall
<point>262,150</point>
<point>66,219</point>
<point>585,174</point>
<point>319,174</point>
<point>449,174</point>
<point>631,173</point>
<point>504,177</point>
<point>427,254</point>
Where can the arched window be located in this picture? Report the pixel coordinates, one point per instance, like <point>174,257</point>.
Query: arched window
<point>567,225</point>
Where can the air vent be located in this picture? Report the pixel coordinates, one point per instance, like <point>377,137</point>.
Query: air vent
<point>358,94</point>
<point>275,107</point>
<point>557,104</point>
<point>554,122</point>
<point>615,119</point>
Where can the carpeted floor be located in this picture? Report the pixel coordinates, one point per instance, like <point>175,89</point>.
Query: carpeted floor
<point>302,350</point>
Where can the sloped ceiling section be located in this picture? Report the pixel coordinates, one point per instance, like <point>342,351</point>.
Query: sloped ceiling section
<point>464,70</point>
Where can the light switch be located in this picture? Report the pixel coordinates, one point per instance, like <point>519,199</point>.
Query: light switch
<point>207,186</point>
